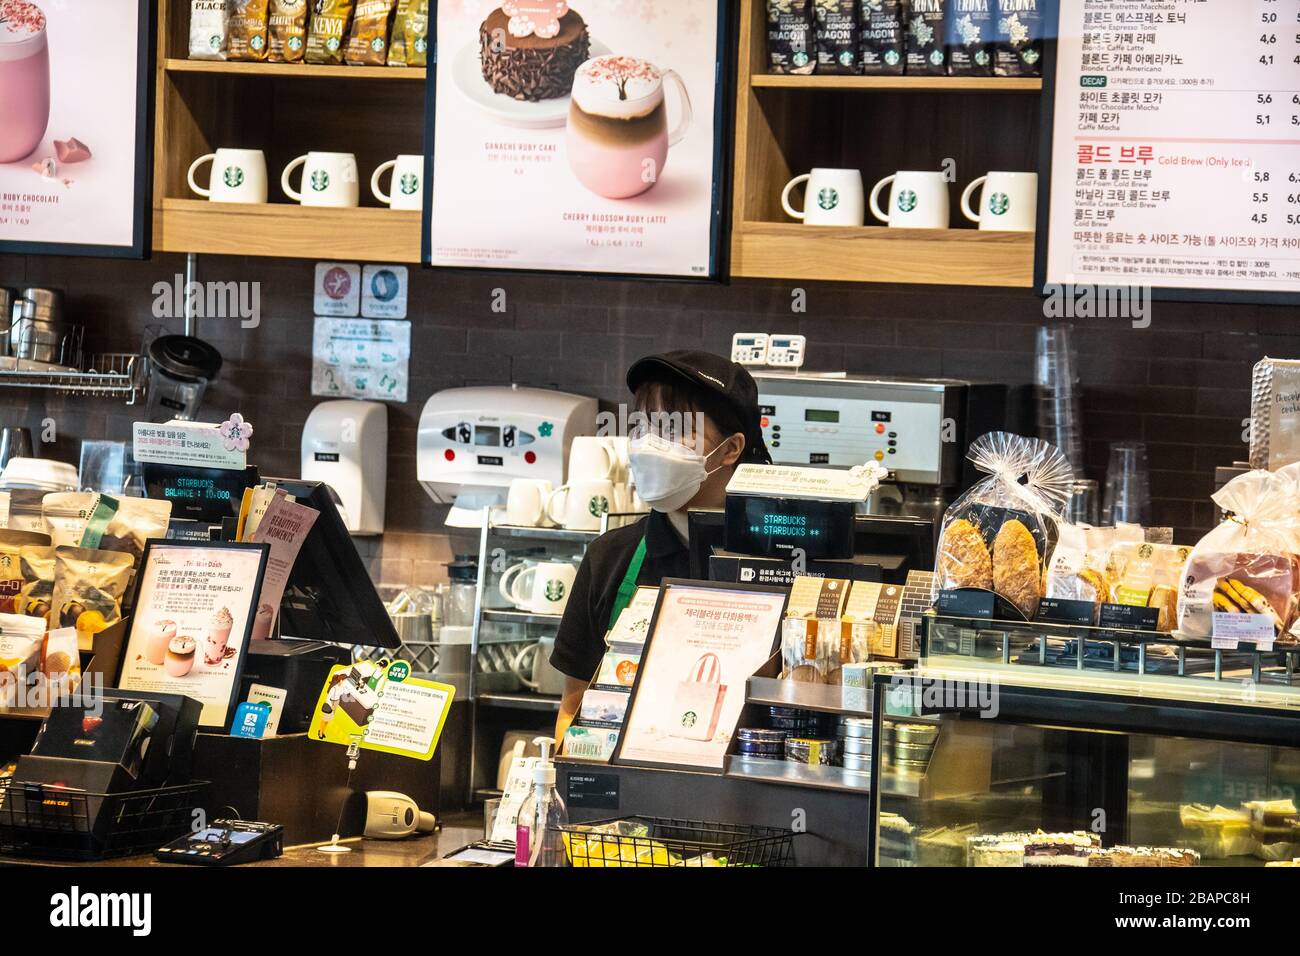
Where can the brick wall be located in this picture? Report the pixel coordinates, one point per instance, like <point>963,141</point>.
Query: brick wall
<point>1181,385</point>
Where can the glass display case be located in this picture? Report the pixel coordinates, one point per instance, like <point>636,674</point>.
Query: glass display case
<point>1031,744</point>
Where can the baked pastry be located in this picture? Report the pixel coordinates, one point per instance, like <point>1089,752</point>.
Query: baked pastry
<point>529,58</point>
<point>964,560</point>
<point>1016,574</point>
<point>1166,599</point>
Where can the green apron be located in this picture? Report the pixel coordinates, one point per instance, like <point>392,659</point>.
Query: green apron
<point>628,587</point>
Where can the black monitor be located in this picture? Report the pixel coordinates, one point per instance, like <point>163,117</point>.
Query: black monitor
<point>330,596</point>
<point>896,543</point>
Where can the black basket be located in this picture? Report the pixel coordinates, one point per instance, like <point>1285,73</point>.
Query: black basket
<point>40,820</point>
<point>668,843</point>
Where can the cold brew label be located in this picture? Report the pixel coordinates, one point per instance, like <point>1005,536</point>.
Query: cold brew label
<point>880,37</point>
<point>1018,38</point>
<point>835,27</point>
<point>969,32</point>
<point>924,37</point>
<point>790,37</point>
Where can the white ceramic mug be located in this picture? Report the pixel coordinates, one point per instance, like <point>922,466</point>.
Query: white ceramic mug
<point>526,501</point>
<point>408,183</point>
<point>238,175</point>
<point>1009,202</point>
<point>541,588</point>
<point>833,197</point>
<point>578,505</point>
<point>592,458</point>
<point>918,200</point>
<point>329,179</point>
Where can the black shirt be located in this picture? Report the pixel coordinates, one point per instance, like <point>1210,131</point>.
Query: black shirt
<point>580,642</point>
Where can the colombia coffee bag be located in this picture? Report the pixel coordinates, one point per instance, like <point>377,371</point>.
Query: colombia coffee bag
<point>835,32</point>
<point>924,38</point>
<point>968,37</point>
<point>248,29</point>
<point>1018,41</point>
<point>790,37</point>
<point>880,37</point>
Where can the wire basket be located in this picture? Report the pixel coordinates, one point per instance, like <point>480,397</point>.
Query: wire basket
<point>662,842</point>
<point>40,820</point>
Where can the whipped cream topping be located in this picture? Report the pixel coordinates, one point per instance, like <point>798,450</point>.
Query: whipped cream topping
<point>617,86</point>
<point>19,20</point>
<point>223,618</point>
<point>182,645</point>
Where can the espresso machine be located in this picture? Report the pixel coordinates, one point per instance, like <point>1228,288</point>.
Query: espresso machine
<point>919,429</point>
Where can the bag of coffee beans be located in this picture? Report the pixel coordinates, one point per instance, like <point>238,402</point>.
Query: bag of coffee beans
<point>248,29</point>
<point>835,33</point>
<point>880,37</point>
<point>328,31</point>
<point>410,46</point>
<point>368,42</point>
<point>923,47</point>
<point>1018,40</point>
<point>288,28</point>
<point>968,37</point>
<point>790,37</point>
<point>209,31</point>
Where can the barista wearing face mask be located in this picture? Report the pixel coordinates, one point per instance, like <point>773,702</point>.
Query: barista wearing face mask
<point>695,418</point>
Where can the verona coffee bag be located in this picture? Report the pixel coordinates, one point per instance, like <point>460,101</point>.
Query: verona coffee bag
<point>923,38</point>
<point>880,36</point>
<point>1018,39</point>
<point>835,34</point>
<point>248,29</point>
<point>209,30</point>
<point>968,37</point>
<point>328,31</point>
<point>790,37</point>
<point>288,30</point>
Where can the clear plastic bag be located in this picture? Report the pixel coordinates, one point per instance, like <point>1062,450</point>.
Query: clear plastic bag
<point>999,534</point>
<point>1248,563</point>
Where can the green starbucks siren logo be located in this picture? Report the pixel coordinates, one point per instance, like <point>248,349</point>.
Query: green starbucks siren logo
<point>554,590</point>
<point>377,44</point>
<point>690,718</point>
<point>828,198</point>
<point>891,57</point>
<point>320,180</point>
<point>233,177</point>
<point>999,203</point>
<point>295,43</point>
<point>409,184</point>
<point>598,505</point>
<point>906,201</point>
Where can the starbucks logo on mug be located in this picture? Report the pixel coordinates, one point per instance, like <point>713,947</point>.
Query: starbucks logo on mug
<point>320,180</point>
<point>999,203</point>
<point>906,201</point>
<point>828,198</point>
<point>409,184</point>
<point>598,505</point>
<point>554,590</point>
<point>233,177</point>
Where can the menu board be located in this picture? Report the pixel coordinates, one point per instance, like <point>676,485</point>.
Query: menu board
<point>74,83</point>
<point>190,629</point>
<point>1175,148</point>
<point>577,137</point>
<point>706,641</point>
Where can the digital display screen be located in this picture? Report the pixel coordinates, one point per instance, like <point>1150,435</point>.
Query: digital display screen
<point>821,415</point>
<point>770,526</point>
<point>212,835</point>
<point>882,416</point>
<point>487,435</point>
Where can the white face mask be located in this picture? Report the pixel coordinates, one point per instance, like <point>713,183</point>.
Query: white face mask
<point>667,474</point>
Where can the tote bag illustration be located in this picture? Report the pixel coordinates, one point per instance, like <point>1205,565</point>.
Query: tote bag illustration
<point>698,701</point>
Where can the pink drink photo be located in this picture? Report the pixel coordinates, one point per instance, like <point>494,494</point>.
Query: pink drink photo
<point>214,651</point>
<point>24,79</point>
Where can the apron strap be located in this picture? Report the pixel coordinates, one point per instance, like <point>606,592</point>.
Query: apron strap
<point>628,587</point>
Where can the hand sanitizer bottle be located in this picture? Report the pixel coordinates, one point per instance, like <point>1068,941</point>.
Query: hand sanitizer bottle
<point>538,841</point>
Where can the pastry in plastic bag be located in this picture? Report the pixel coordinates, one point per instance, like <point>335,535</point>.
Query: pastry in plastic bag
<point>964,559</point>
<point>1015,567</point>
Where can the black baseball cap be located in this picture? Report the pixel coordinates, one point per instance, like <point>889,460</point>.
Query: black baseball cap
<point>729,384</point>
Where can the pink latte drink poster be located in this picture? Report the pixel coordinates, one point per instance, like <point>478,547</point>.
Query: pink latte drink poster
<point>68,121</point>
<point>575,136</point>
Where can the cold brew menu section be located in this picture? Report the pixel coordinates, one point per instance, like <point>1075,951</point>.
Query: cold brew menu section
<point>1176,145</point>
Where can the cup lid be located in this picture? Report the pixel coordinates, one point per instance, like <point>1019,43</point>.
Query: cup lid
<point>185,357</point>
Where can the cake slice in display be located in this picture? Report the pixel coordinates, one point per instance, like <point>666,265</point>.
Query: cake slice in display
<point>531,51</point>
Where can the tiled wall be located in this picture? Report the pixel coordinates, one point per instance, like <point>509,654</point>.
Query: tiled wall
<point>1181,385</point>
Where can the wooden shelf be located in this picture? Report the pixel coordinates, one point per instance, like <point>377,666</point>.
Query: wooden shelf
<point>305,71</point>
<point>909,84</point>
<point>287,231</point>
<point>879,254</point>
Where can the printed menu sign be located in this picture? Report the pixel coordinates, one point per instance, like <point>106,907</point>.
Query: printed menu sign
<point>1176,146</point>
<point>705,643</point>
<point>576,137</point>
<point>190,629</point>
<point>74,79</point>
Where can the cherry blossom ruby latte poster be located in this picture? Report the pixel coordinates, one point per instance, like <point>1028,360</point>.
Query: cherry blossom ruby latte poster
<point>576,136</point>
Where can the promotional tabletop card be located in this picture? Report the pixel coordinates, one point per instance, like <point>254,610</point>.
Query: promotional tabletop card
<point>380,706</point>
